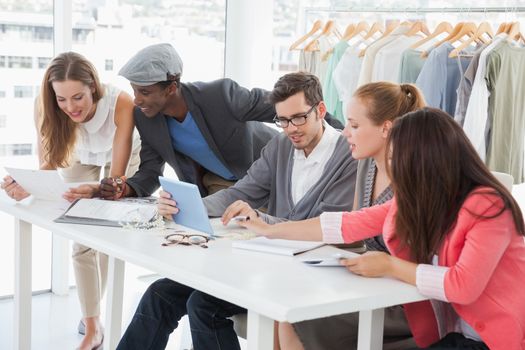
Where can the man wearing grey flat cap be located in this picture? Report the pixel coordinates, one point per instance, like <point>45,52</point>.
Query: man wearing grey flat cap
<point>208,132</point>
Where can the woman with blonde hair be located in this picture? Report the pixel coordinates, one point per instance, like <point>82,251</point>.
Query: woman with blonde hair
<point>84,128</point>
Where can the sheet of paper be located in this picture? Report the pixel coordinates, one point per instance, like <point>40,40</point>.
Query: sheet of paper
<point>118,211</point>
<point>277,246</point>
<point>42,184</point>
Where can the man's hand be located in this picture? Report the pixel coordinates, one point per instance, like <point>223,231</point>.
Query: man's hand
<point>13,190</point>
<point>238,208</point>
<point>166,206</point>
<point>113,188</point>
<point>82,191</point>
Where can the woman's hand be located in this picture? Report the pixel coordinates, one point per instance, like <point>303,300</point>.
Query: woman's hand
<point>370,264</point>
<point>82,191</point>
<point>13,190</point>
<point>166,206</point>
<point>238,208</point>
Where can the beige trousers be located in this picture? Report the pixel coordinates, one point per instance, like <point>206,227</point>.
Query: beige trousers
<point>91,267</point>
<point>214,183</point>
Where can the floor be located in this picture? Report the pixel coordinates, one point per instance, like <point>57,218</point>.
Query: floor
<point>55,318</point>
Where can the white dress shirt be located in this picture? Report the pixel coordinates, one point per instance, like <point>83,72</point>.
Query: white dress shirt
<point>308,170</point>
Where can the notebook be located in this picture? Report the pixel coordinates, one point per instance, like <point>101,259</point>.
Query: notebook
<point>192,212</point>
<point>277,246</point>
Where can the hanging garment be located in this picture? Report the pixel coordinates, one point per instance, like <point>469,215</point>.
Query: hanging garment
<point>346,75</point>
<point>367,67</point>
<point>475,123</point>
<point>387,61</point>
<point>506,84</point>
<point>465,86</point>
<point>310,61</point>
<point>439,78</point>
<point>330,94</point>
<point>410,66</point>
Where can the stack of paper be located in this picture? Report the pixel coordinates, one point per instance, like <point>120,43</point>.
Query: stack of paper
<point>277,246</point>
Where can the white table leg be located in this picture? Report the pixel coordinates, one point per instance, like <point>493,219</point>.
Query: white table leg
<point>22,297</point>
<point>60,265</point>
<point>260,332</point>
<point>115,287</point>
<point>370,336</point>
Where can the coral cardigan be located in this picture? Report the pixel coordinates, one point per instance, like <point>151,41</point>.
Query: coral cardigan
<point>485,280</point>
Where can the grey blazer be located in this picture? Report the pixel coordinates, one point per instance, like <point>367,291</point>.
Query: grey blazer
<point>228,117</point>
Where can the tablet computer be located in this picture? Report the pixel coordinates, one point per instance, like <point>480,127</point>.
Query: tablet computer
<point>192,212</point>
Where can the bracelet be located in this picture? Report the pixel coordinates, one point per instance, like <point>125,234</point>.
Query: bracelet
<point>121,186</point>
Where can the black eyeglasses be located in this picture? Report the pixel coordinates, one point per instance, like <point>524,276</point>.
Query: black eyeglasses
<point>296,120</point>
<point>180,237</point>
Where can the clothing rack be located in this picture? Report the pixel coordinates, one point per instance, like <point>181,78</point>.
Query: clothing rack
<point>507,9</point>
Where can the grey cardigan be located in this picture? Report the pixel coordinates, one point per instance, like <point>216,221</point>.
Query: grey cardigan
<point>268,184</point>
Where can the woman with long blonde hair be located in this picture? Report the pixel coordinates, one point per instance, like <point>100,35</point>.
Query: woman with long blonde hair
<point>84,128</point>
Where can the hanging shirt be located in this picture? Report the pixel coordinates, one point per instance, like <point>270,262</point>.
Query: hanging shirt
<point>410,66</point>
<point>465,86</point>
<point>476,115</point>
<point>367,67</point>
<point>346,74</point>
<point>506,84</point>
<point>439,78</point>
<point>310,61</point>
<point>308,170</point>
<point>330,95</point>
<point>387,62</point>
<point>94,144</point>
<point>187,139</point>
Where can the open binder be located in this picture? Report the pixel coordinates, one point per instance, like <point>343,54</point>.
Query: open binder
<point>94,211</point>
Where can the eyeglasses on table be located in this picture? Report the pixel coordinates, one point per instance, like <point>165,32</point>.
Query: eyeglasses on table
<point>184,238</point>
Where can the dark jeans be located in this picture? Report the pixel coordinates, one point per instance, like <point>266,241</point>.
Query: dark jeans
<point>164,303</point>
<point>456,341</point>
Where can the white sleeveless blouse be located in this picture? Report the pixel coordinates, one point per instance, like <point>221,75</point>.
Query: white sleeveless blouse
<point>95,137</point>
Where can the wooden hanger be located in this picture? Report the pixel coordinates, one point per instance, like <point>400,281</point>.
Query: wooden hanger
<point>391,26</point>
<point>376,28</point>
<point>468,28</point>
<point>502,28</point>
<point>515,33</point>
<point>483,28</point>
<point>418,27</point>
<point>459,31</point>
<point>359,28</point>
<point>443,27</point>
<point>315,27</point>
<point>349,31</point>
<point>328,29</point>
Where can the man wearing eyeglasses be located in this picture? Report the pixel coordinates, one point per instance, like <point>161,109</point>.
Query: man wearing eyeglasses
<point>304,171</point>
<point>207,132</point>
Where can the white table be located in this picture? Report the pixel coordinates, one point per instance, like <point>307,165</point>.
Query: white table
<point>270,287</point>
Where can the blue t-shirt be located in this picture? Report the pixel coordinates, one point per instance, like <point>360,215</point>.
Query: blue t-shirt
<point>187,139</point>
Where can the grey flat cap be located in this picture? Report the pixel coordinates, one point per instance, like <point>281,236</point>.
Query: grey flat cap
<point>152,64</point>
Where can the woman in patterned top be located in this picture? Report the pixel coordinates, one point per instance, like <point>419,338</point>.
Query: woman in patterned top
<point>371,112</point>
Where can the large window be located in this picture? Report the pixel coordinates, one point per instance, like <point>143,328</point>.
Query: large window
<point>197,34</point>
<point>26,33</point>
